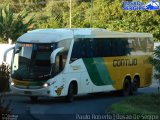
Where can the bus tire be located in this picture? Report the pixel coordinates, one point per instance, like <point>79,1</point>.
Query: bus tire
<point>126,87</point>
<point>33,99</point>
<point>70,95</point>
<point>134,86</point>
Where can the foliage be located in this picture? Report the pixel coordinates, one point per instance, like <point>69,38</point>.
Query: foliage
<point>88,13</point>
<point>19,5</point>
<point>4,86</point>
<point>4,109</point>
<point>2,41</point>
<point>156,63</point>
<point>47,23</point>
<point>4,77</point>
<point>138,105</point>
<point>12,25</point>
<point>105,14</point>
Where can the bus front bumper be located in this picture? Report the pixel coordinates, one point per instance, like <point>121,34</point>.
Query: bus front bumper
<point>30,92</point>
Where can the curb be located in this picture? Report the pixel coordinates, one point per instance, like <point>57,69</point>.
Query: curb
<point>7,94</point>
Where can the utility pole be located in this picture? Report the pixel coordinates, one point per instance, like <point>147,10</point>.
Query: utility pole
<point>91,14</point>
<point>70,15</point>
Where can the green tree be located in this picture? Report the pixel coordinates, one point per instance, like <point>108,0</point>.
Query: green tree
<point>13,25</point>
<point>48,23</point>
<point>56,11</point>
<point>110,15</point>
<point>32,5</point>
<point>89,13</point>
<point>156,63</point>
<point>107,14</point>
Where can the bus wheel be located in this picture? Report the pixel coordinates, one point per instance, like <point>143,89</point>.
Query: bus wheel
<point>33,99</point>
<point>126,87</point>
<point>134,86</point>
<point>70,96</point>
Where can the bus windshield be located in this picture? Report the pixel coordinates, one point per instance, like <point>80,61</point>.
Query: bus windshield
<point>32,61</point>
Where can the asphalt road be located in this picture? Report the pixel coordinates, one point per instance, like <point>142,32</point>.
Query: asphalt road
<point>58,109</point>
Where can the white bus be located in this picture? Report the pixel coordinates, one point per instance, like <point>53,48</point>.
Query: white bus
<point>68,62</point>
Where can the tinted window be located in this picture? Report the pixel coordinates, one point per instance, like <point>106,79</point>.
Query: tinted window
<point>62,56</point>
<point>140,45</point>
<point>100,47</point>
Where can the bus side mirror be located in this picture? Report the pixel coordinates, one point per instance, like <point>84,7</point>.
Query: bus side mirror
<point>6,52</point>
<point>54,54</point>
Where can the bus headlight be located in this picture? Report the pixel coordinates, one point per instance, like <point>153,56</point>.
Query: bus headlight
<point>46,85</point>
<point>12,83</point>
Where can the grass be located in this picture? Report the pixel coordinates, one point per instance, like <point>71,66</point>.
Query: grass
<point>144,104</point>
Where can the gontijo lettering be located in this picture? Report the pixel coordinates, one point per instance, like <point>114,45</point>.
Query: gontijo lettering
<point>124,62</point>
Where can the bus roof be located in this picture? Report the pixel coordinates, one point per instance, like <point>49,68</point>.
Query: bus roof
<point>55,35</point>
